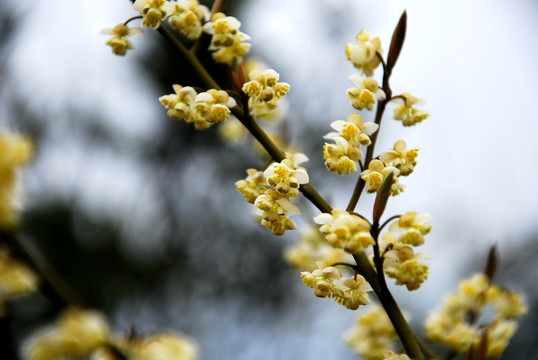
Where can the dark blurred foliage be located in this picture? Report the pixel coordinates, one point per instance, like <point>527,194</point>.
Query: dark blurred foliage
<point>211,248</point>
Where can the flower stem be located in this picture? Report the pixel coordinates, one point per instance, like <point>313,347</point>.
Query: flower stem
<point>359,187</point>
<point>131,19</point>
<point>401,326</point>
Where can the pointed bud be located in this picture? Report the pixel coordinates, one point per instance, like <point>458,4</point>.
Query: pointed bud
<point>492,264</point>
<point>397,41</point>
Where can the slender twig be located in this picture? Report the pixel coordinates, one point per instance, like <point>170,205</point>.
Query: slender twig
<point>389,220</point>
<point>430,354</point>
<point>191,58</point>
<point>406,335</point>
<point>131,19</point>
<point>381,104</point>
<point>354,267</point>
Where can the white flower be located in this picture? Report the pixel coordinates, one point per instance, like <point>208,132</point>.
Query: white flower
<point>345,231</point>
<point>363,53</point>
<point>214,105</point>
<point>401,158</point>
<point>265,93</point>
<point>365,93</point>
<point>119,42</point>
<point>154,11</point>
<point>406,112</point>
<point>227,41</point>
<point>188,17</point>
<point>376,173</point>
<point>285,178</point>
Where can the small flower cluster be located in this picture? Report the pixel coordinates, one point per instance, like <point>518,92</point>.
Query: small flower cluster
<point>327,281</point>
<point>459,325</point>
<point>342,157</point>
<point>160,346</point>
<point>373,334</point>
<point>16,278</point>
<point>365,94</point>
<point>406,112</point>
<point>76,334</point>
<point>314,247</point>
<point>390,355</point>
<point>188,18</point>
<point>401,158</point>
<point>400,162</point>
<point>345,231</point>
<point>375,175</point>
<point>15,151</point>
<point>80,333</point>
<point>119,41</point>
<point>363,54</point>
<point>264,92</point>
<point>228,43</point>
<point>153,11</point>
<point>400,261</point>
<point>274,203</point>
<point>203,109</point>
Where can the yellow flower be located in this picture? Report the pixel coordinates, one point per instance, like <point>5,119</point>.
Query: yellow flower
<point>376,173</point>
<point>405,111</point>
<point>363,53</point>
<point>366,92</point>
<point>227,41</point>
<point>15,151</point>
<point>345,231</point>
<point>187,18</point>
<point>355,131</point>
<point>499,334</point>
<point>214,105</point>
<point>76,334</point>
<point>181,106</point>
<point>401,158</point>
<point>119,42</point>
<point>351,292</point>
<point>285,177</point>
<point>373,334</point>
<point>390,355</point>
<point>413,227</point>
<point>327,281</point>
<point>265,93</point>
<point>274,210</point>
<point>401,263</point>
<point>154,11</point>
<point>340,157</point>
<point>162,346</point>
<point>253,186</point>
<point>455,323</point>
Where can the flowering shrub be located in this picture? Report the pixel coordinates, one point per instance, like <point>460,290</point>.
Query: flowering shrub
<point>347,258</point>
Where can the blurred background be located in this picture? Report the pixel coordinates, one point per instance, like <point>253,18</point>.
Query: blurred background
<point>140,216</point>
